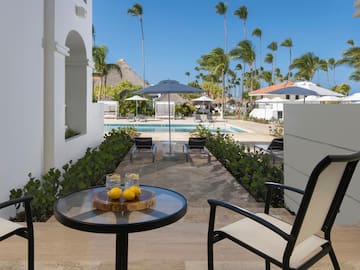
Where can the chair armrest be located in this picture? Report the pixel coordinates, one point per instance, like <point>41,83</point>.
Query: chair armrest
<point>25,199</point>
<point>282,186</point>
<point>214,203</point>
<point>28,215</point>
<point>270,186</point>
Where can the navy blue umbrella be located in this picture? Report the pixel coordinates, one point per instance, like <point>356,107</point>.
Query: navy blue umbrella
<point>169,87</point>
<point>305,89</point>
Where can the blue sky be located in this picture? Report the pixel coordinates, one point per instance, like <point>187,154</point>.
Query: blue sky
<point>178,33</point>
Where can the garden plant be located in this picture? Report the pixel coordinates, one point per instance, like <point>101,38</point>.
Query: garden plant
<point>90,170</point>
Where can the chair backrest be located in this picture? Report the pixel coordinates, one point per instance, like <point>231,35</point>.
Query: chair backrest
<point>143,142</point>
<point>323,195</point>
<point>130,116</point>
<point>197,143</point>
<point>277,144</point>
<point>209,116</point>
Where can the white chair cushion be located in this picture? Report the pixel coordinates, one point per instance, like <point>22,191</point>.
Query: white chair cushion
<point>270,243</point>
<point>7,226</point>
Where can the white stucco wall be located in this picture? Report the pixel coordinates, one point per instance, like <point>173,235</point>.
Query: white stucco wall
<point>32,113</point>
<point>313,131</point>
<point>65,20</point>
<point>21,88</point>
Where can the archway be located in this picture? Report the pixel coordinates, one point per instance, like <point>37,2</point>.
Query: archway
<point>75,85</point>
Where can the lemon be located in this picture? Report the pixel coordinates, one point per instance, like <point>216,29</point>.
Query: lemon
<point>115,193</point>
<point>128,194</point>
<point>136,190</point>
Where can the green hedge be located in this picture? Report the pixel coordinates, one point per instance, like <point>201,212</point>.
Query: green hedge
<point>251,169</point>
<point>89,170</point>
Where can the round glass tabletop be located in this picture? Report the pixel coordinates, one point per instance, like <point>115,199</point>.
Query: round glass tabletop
<point>76,210</point>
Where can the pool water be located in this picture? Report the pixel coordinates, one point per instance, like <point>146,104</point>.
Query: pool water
<point>174,128</point>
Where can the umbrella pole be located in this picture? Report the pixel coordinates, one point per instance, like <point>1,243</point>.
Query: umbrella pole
<point>169,125</point>
<point>136,109</point>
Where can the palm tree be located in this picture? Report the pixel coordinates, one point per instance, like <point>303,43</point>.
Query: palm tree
<point>267,76</point>
<point>288,44</point>
<point>274,47</point>
<point>351,42</point>
<point>306,66</point>
<point>137,10</point>
<point>187,73</point>
<point>242,13</point>
<point>102,68</point>
<point>239,67</point>
<point>332,65</point>
<point>99,55</point>
<point>352,57</point>
<point>323,65</point>
<point>355,76</point>
<point>258,33</point>
<point>278,75</point>
<point>246,53</point>
<point>221,8</point>
<point>269,58</point>
<point>217,64</point>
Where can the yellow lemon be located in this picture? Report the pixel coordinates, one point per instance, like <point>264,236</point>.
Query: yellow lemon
<point>115,193</point>
<point>128,194</point>
<point>136,190</point>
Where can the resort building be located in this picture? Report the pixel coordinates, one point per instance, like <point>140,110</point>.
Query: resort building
<point>264,108</point>
<point>50,42</point>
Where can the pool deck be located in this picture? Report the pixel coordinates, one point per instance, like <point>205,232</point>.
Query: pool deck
<point>255,132</point>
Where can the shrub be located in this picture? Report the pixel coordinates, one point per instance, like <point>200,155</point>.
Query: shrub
<point>89,170</point>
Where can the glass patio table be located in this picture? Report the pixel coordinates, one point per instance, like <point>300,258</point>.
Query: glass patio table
<point>76,211</point>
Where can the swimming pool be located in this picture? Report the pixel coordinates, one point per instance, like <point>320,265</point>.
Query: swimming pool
<point>174,128</point>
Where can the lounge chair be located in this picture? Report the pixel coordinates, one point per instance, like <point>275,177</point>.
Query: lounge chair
<point>131,117</point>
<point>143,144</point>
<point>197,118</point>
<point>196,144</point>
<point>9,228</point>
<point>308,239</point>
<point>209,117</point>
<point>142,118</point>
<point>275,148</point>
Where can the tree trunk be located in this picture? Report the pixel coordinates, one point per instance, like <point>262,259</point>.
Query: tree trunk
<point>143,50</point>
<point>100,88</point>
<point>223,95</point>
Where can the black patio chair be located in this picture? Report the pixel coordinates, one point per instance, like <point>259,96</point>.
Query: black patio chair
<point>196,144</point>
<point>307,240</point>
<point>275,149</point>
<point>9,228</point>
<point>209,117</point>
<point>143,144</point>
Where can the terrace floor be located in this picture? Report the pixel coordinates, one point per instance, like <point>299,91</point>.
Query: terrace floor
<point>179,246</point>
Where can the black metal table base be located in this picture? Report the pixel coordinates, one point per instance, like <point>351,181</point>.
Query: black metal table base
<point>122,251</point>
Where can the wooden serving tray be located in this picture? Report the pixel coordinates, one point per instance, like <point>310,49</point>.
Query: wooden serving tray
<point>102,202</point>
